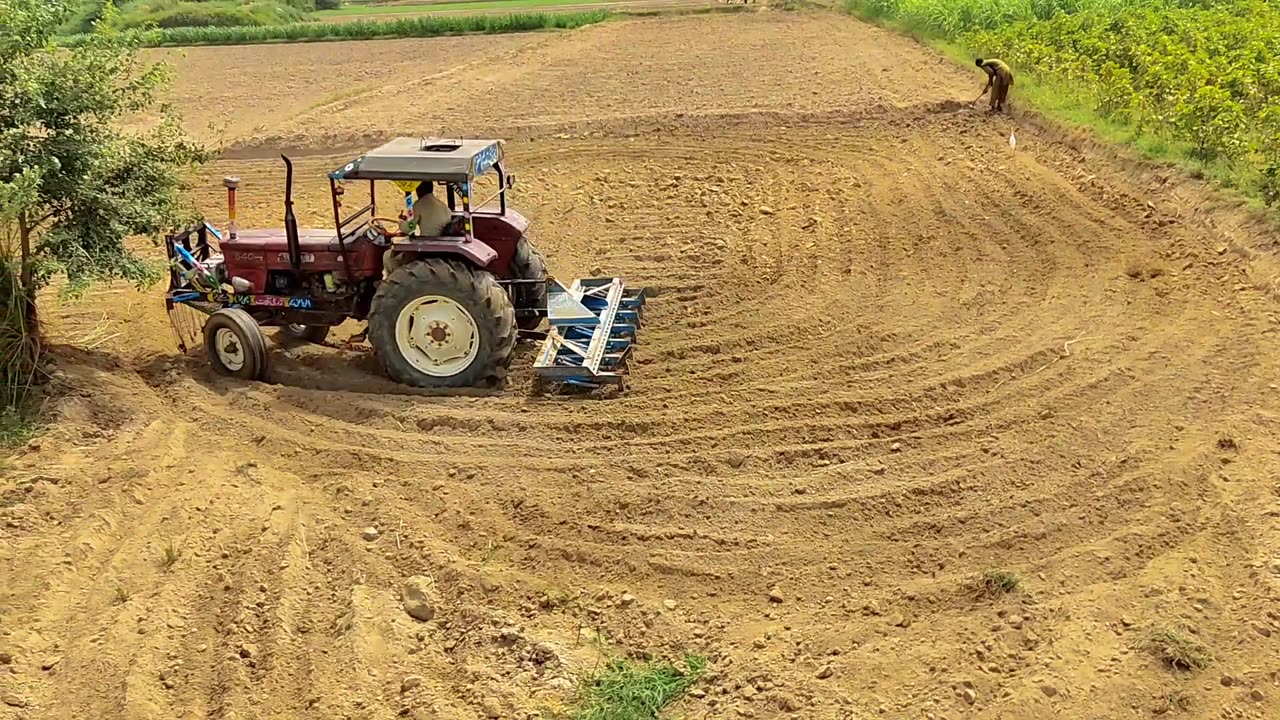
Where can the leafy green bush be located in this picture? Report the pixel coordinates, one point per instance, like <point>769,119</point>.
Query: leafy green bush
<point>82,17</point>
<point>177,13</point>
<point>328,4</point>
<point>412,26</point>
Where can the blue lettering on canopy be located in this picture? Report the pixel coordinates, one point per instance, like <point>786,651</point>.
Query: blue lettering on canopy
<point>484,160</point>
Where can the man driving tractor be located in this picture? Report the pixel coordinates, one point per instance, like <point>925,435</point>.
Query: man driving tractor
<point>430,218</point>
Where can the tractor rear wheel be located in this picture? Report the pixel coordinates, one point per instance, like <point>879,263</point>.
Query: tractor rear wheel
<point>440,322</point>
<point>306,333</point>
<point>235,344</point>
<point>528,264</point>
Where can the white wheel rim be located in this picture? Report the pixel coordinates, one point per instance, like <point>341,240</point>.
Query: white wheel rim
<point>437,336</point>
<point>231,351</point>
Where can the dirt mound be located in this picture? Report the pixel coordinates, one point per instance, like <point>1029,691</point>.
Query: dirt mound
<point>887,355</point>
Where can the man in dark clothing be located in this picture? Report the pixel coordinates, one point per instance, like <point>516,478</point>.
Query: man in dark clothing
<point>999,80</point>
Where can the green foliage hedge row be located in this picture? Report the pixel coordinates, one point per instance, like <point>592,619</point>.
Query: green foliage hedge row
<point>414,26</point>
<point>191,13</point>
<point>174,14</point>
<point>1203,74</point>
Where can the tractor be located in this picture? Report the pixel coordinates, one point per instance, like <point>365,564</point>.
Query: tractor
<point>448,314</point>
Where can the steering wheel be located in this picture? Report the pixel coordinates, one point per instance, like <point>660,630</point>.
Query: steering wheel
<point>381,223</point>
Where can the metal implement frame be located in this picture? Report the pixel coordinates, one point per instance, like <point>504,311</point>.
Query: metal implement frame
<point>593,327</point>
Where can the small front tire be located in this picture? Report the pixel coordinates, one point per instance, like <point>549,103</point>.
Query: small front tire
<point>235,345</point>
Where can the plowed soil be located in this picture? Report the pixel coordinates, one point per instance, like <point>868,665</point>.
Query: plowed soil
<point>886,353</point>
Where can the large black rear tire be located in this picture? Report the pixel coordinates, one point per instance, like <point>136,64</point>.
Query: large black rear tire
<point>440,322</point>
<point>235,345</point>
<point>528,264</point>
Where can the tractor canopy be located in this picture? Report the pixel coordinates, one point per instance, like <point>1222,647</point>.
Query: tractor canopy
<point>436,159</point>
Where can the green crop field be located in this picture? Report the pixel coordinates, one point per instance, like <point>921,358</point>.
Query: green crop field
<point>419,26</point>
<point>1197,81</point>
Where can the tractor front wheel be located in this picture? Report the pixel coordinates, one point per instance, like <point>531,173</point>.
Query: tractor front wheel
<point>235,344</point>
<point>442,323</point>
<point>528,264</point>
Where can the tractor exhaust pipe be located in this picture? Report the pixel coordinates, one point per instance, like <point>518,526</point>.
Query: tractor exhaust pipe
<point>231,183</point>
<point>291,222</point>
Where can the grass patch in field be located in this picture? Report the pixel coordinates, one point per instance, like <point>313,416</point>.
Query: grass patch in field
<point>408,27</point>
<point>995,583</point>
<point>627,691</point>
<point>172,553</point>
<point>1177,649</point>
<point>1174,701</point>
<point>17,426</point>
<point>424,8</point>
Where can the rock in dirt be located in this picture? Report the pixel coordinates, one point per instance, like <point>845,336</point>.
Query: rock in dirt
<point>12,700</point>
<point>5,658</point>
<point>969,696</point>
<point>247,650</point>
<point>370,534</point>
<point>628,599</point>
<point>1256,695</point>
<point>410,683</point>
<point>50,663</point>
<point>417,598</point>
<point>670,604</point>
<point>766,210</point>
<point>1048,690</point>
<point>896,447</point>
<point>825,672</point>
<point>775,595</point>
<point>560,684</point>
<point>491,708</point>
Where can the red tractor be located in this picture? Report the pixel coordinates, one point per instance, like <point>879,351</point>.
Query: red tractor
<point>447,315</point>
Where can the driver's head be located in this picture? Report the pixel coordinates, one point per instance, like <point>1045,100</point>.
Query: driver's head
<point>424,189</point>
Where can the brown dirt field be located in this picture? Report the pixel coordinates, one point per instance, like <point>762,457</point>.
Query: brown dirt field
<point>887,353</point>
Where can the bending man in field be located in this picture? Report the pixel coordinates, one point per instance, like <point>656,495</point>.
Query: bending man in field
<point>999,80</point>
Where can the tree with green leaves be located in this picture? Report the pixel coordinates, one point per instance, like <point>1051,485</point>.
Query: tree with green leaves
<point>75,180</point>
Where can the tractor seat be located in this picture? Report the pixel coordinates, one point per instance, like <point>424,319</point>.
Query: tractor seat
<point>275,241</point>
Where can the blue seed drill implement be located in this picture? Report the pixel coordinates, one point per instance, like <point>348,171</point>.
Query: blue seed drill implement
<point>593,325</point>
<point>445,304</point>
